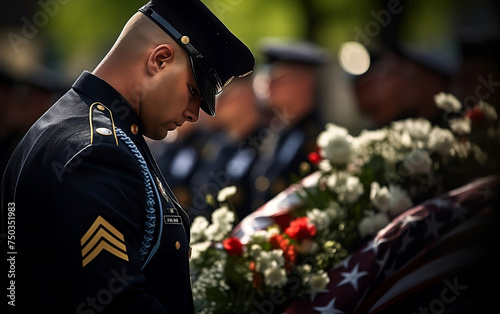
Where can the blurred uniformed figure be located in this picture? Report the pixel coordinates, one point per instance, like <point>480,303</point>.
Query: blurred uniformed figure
<point>401,84</point>
<point>27,90</point>
<point>97,228</point>
<point>292,94</point>
<point>179,155</point>
<point>232,151</point>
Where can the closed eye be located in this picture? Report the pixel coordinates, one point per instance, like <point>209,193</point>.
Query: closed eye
<point>193,91</point>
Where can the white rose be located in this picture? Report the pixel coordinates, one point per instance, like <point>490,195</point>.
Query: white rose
<point>335,144</point>
<point>317,282</point>
<point>319,219</point>
<point>400,201</point>
<point>380,196</point>
<point>447,102</point>
<point>275,276</point>
<point>488,110</point>
<point>460,126</point>
<point>198,227</point>
<point>441,141</point>
<point>225,193</point>
<point>417,162</point>
<point>372,223</point>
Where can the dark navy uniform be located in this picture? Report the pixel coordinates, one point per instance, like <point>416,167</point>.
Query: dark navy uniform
<point>91,208</point>
<point>93,226</point>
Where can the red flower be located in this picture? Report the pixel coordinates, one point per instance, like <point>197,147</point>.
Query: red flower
<point>314,158</point>
<point>278,241</point>
<point>233,246</point>
<point>476,115</point>
<point>300,229</point>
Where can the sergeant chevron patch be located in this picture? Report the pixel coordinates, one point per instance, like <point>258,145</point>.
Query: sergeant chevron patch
<point>102,236</point>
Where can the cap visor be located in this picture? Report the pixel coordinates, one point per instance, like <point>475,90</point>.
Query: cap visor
<point>206,88</point>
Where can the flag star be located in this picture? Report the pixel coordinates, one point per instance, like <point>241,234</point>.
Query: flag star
<point>329,308</point>
<point>371,246</point>
<point>381,262</point>
<point>346,261</point>
<point>409,220</point>
<point>352,277</point>
<point>388,272</point>
<point>407,239</point>
<point>313,294</point>
<point>432,226</point>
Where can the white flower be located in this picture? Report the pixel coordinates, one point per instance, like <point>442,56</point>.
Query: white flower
<point>441,141</point>
<point>400,201</point>
<point>380,197</point>
<point>259,237</point>
<point>335,144</point>
<point>225,193</point>
<point>399,139</point>
<point>319,219</point>
<point>460,126</point>
<point>275,276</point>
<point>349,188</point>
<point>366,137</point>
<point>417,129</point>
<point>197,248</point>
<point>316,282</point>
<point>255,251</point>
<point>198,227</point>
<point>447,102</point>
<point>488,110</point>
<point>222,215</point>
<point>417,162</point>
<point>372,223</point>
<point>216,232</point>
<point>266,260</point>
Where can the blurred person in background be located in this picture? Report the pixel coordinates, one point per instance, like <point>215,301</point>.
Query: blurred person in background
<point>401,84</point>
<point>231,152</point>
<point>291,94</point>
<point>27,90</point>
<point>180,154</point>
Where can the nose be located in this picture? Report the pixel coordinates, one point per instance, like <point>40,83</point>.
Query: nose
<point>192,111</point>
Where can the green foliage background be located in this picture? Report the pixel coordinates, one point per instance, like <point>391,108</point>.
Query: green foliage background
<point>84,30</point>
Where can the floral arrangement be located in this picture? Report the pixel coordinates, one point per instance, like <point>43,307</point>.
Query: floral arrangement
<point>361,183</point>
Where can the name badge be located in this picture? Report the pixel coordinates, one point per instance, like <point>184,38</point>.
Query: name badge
<point>172,220</point>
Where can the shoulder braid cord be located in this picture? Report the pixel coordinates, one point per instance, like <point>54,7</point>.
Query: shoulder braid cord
<point>150,201</point>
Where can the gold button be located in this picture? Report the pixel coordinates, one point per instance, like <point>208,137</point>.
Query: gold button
<point>100,107</point>
<point>177,245</point>
<point>185,40</point>
<point>135,129</point>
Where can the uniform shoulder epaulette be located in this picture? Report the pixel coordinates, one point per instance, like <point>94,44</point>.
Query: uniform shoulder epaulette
<point>102,125</point>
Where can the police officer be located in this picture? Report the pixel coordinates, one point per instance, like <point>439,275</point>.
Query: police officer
<point>292,95</point>
<point>96,226</point>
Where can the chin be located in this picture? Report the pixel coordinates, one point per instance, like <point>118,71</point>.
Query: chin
<point>157,136</point>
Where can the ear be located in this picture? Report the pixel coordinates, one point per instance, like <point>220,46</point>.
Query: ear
<point>159,57</point>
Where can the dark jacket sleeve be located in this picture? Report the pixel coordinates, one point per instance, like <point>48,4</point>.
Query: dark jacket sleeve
<point>99,214</point>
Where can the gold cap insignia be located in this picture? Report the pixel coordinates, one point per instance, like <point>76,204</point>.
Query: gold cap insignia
<point>185,40</point>
<point>93,241</point>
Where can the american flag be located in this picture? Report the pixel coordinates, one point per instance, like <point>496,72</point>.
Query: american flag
<point>416,263</point>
